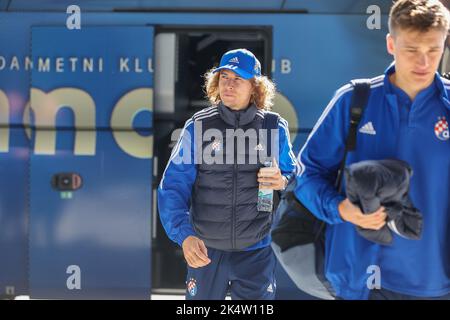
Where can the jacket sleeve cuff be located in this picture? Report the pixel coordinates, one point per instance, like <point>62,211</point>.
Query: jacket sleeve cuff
<point>334,215</point>
<point>184,233</point>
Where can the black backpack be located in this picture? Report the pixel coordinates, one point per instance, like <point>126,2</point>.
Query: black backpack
<point>298,237</point>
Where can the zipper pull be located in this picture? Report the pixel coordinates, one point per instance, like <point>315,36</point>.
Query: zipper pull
<point>238,116</point>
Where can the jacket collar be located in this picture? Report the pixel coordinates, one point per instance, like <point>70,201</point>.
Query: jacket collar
<point>242,117</point>
<point>437,81</point>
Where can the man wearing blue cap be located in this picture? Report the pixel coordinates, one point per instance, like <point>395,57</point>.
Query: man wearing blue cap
<point>208,195</point>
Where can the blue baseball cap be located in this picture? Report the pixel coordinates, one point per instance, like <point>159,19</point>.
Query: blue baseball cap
<point>242,62</point>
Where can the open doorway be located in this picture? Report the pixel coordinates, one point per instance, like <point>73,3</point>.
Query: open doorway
<point>182,56</point>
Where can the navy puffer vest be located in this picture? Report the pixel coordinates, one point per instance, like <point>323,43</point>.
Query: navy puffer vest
<point>224,201</point>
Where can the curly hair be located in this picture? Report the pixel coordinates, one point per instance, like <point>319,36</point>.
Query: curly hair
<point>262,96</point>
<point>420,15</point>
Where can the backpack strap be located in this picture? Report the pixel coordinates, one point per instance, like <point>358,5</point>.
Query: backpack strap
<point>361,92</point>
<point>360,96</point>
<point>270,122</point>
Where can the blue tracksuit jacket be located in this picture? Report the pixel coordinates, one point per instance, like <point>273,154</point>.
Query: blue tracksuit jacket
<point>392,127</point>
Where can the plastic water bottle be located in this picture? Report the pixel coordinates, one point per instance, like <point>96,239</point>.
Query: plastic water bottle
<point>265,196</point>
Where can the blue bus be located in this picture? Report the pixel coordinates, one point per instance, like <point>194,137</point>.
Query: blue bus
<point>91,97</point>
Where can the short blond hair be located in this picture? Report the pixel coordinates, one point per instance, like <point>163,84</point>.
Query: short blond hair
<point>419,15</point>
<point>262,96</point>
